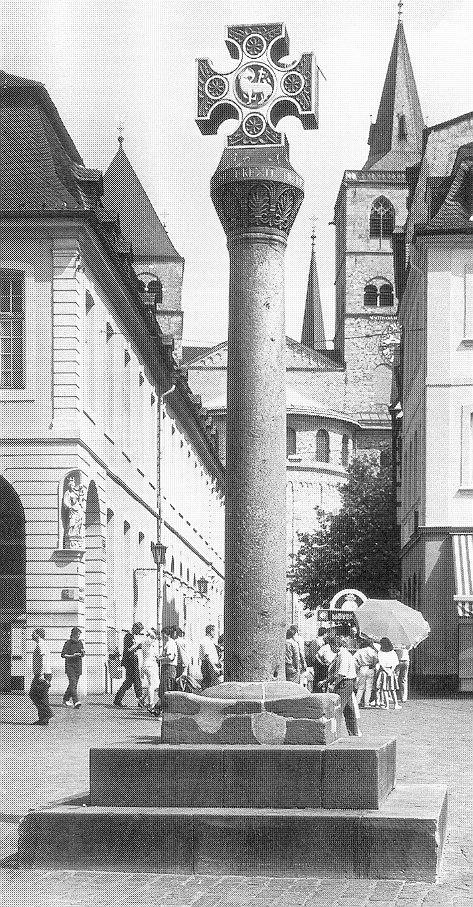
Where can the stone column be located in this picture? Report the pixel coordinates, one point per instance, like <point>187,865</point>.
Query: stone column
<point>257,203</point>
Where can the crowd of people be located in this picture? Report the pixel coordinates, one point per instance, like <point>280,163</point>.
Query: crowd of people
<point>364,673</point>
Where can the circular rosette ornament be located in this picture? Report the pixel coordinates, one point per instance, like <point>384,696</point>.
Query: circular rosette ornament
<point>254,45</point>
<point>216,87</point>
<point>293,83</point>
<point>254,125</point>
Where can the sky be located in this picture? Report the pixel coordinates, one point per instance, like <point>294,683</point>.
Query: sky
<point>103,61</point>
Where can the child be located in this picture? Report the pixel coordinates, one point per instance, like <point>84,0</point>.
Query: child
<point>386,683</point>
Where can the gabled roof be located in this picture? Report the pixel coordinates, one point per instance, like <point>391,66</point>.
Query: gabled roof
<point>395,139</point>
<point>298,358</point>
<point>313,333</point>
<point>40,167</point>
<point>139,222</point>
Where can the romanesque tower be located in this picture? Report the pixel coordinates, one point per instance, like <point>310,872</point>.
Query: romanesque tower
<point>371,203</point>
<point>157,264</point>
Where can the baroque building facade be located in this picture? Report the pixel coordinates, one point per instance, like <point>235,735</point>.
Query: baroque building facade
<point>88,383</point>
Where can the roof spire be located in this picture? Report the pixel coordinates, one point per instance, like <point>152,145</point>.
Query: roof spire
<point>395,139</point>
<point>313,333</point>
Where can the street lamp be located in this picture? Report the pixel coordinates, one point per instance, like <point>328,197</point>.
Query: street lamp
<point>158,551</point>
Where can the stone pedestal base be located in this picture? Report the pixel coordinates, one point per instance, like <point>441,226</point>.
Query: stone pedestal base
<point>401,840</point>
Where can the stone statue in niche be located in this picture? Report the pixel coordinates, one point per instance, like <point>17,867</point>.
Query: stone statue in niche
<point>73,511</point>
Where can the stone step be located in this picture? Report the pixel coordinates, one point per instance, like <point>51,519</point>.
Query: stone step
<point>354,773</point>
<point>402,840</point>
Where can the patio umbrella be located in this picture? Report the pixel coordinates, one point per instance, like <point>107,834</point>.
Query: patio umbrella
<point>379,617</point>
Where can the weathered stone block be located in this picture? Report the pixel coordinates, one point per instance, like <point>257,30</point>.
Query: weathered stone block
<point>158,776</point>
<point>272,777</point>
<point>135,839</point>
<point>273,843</point>
<point>358,773</point>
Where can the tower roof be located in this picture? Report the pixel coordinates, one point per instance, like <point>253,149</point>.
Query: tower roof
<point>395,139</point>
<point>139,222</point>
<point>313,333</point>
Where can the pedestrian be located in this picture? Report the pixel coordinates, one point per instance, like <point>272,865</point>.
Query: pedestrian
<point>293,658</point>
<point>209,658</point>
<point>403,671</point>
<point>42,676</point>
<point>323,659</point>
<point>130,661</point>
<point>150,668</point>
<point>341,680</point>
<point>366,659</point>
<point>302,660</point>
<point>73,652</point>
<point>168,662</point>
<point>386,683</point>
<point>182,666</point>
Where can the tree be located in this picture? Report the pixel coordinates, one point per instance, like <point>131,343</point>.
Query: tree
<point>356,548</point>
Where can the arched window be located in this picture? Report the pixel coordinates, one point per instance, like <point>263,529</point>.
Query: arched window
<point>381,218</point>
<point>156,288</point>
<point>414,591</point>
<point>409,599</point>
<point>377,296</point>
<point>370,295</point>
<point>385,458</point>
<point>386,296</point>
<point>344,456</point>
<point>291,441</point>
<point>322,446</point>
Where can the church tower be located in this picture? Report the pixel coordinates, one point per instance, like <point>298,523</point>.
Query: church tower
<point>156,262</point>
<point>371,203</point>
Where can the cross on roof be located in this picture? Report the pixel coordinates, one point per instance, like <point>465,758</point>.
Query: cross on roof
<point>260,90</point>
<point>399,6</point>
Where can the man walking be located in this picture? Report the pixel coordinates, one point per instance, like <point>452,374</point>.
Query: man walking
<point>209,658</point>
<point>42,676</point>
<point>132,667</point>
<point>73,652</point>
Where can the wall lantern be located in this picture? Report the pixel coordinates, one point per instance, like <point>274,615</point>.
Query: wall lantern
<point>202,585</point>
<point>159,553</point>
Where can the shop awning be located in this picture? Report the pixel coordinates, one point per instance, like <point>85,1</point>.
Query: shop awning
<point>463,566</point>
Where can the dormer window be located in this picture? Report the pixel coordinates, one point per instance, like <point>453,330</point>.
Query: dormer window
<point>401,127</point>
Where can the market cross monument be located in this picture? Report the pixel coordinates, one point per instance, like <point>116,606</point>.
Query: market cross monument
<point>257,195</point>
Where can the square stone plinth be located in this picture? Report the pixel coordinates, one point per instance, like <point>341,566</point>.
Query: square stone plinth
<point>401,840</point>
<point>356,773</point>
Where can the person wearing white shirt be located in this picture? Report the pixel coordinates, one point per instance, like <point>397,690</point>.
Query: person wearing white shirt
<point>150,668</point>
<point>42,676</point>
<point>341,678</point>
<point>209,658</point>
<point>366,659</point>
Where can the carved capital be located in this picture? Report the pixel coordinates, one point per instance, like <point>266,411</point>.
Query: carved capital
<point>264,206</point>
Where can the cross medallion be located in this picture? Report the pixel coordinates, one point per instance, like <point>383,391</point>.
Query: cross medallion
<point>260,90</point>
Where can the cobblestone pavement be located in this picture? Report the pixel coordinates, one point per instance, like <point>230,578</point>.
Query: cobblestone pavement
<point>42,766</point>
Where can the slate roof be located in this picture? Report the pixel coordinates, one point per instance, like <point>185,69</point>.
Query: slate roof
<point>313,332</point>
<point>454,196</point>
<point>139,222</point>
<point>295,403</point>
<point>191,353</point>
<point>388,149</point>
<point>40,167</point>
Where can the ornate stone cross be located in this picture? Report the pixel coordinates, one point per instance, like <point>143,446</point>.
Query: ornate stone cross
<point>260,90</point>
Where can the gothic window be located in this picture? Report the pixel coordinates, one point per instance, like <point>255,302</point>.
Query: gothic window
<point>322,446</point>
<point>414,591</point>
<point>291,440</point>
<point>385,458</point>
<point>156,288</point>
<point>11,328</point>
<point>378,297</point>
<point>401,127</point>
<point>345,450</point>
<point>381,218</point>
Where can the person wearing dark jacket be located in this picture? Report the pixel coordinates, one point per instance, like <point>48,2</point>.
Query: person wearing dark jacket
<point>73,652</point>
<point>132,667</point>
